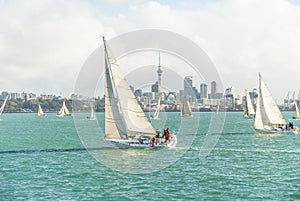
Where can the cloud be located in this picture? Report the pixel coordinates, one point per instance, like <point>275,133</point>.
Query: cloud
<point>44,43</point>
<point>242,37</point>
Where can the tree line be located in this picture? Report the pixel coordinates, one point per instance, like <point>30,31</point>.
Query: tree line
<point>48,105</point>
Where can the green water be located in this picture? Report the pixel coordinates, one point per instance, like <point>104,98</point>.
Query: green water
<point>243,166</point>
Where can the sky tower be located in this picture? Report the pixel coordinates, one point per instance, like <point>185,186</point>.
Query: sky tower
<point>159,71</point>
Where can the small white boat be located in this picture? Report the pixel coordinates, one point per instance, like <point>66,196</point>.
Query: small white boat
<point>126,125</point>
<point>40,111</point>
<point>63,111</point>
<point>268,118</point>
<point>156,113</point>
<point>186,109</point>
<point>249,112</point>
<point>93,116</point>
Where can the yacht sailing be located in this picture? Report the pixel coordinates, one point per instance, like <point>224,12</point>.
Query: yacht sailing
<point>249,112</point>
<point>185,109</point>
<point>63,111</point>
<point>40,111</point>
<point>268,118</point>
<point>3,105</point>
<point>126,125</point>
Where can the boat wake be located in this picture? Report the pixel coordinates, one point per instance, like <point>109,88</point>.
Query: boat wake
<point>32,151</point>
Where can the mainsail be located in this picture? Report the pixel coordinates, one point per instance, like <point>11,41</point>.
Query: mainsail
<point>267,115</point>
<point>186,109</point>
<point>248,108</point>
<point>40,111</point>
<point>124,117</point>
<point>3,105</point>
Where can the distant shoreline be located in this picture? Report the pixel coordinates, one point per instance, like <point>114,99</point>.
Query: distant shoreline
<point>22,112</point>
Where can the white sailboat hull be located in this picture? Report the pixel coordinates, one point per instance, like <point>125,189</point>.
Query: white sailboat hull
<point>142,144</point>
<point>249,116</point>
<point>277,131</point>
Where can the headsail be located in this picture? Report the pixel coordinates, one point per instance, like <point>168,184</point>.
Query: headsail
<point>3,105</point>
<point>124,117</point>
<point>268,115</point>
<point>40,111</point>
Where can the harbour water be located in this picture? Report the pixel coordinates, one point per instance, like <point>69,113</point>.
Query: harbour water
<point>42,158</point>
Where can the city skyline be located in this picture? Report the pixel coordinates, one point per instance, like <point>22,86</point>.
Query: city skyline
<point>43,44</point>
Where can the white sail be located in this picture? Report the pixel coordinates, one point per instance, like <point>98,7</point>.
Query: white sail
<point>186,109</point>
<point>156,113</point>
<point>297,111</point>
<point>124,117</point>
<point>248,107</point>
<point>92,117</point>
<point>63,111</point>
<point>268,116</point>
<point>40,111</point>
<point>3,105</point>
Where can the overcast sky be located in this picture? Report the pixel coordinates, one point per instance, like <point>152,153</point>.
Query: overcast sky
<point>44,43</point>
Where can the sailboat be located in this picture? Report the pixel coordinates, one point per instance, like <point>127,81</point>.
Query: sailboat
<point>297,117</point>
<point>93,116</point>
<point>63,111</point>
<point>40,111</point>
<point>126,125</point>
<point>185,109</point>
<point>268,118</point>
<point>249,112</point>
<point>3,105</point>
<point>156,113</point>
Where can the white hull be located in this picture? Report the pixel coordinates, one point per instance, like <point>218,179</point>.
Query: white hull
<point>249,117</point>
<point>141,144</point>
<point>277,131</point>
<point>58,115</point>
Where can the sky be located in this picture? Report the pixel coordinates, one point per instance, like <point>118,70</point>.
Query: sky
<point>44,43</point>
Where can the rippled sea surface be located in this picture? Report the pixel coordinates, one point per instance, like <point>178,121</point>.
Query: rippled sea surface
<point>43,159</point>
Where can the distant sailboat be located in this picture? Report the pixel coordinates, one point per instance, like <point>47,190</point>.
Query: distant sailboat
<point>297,117</point>
<point>156,113</point>
<point>3,105</point>
<point>126,125</point>
<point>63,111</point>
<point>249,112</point>
<point>186,109</point>
<point>93,116</point>
<point>40,111</point>
<point>268,117</point>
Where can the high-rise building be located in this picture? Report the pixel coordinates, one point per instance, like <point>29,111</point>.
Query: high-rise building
<point>188,86</point>
<point>213,88</point>
<point>203,91</point>
<point>155,87</point>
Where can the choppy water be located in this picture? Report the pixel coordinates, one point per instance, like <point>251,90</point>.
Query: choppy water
<point>42,158</point>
